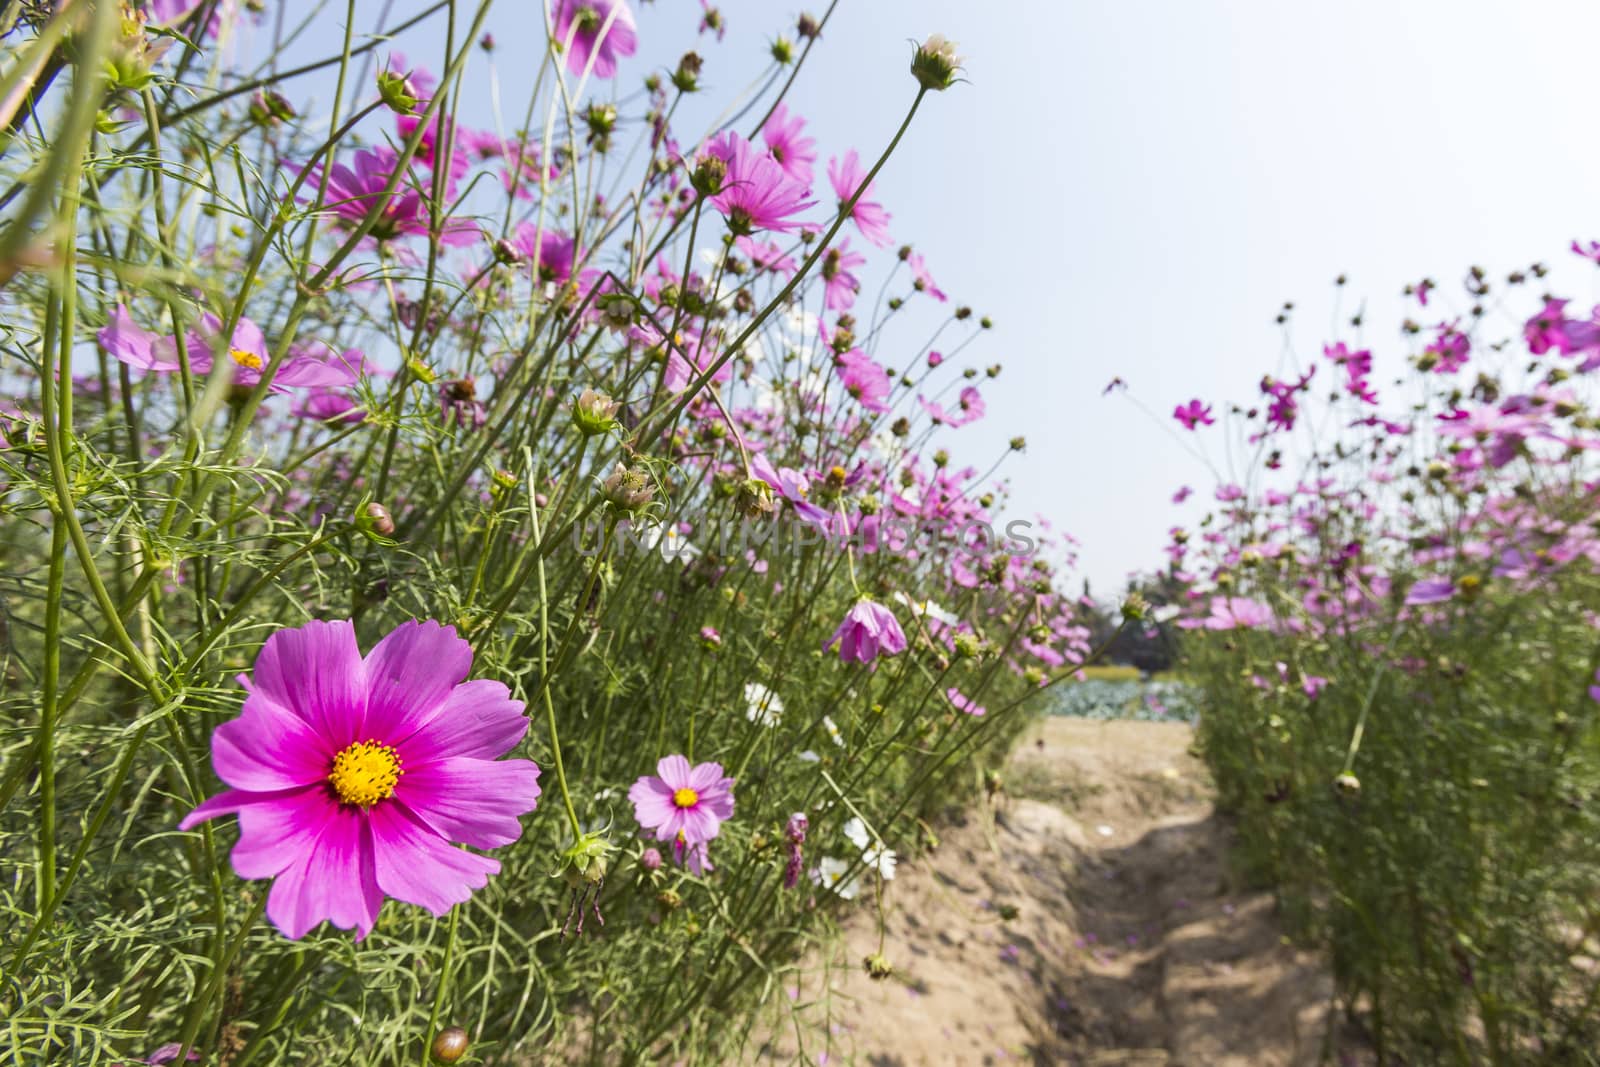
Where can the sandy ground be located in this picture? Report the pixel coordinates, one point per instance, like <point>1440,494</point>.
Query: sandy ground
<point>1130,944</point>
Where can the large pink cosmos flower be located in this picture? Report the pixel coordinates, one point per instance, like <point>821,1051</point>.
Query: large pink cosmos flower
<point>306,366</point>
<point>602,29</point>
<point>354,189</point>
<point>786,141</point>
<point>868,629</point>
<point>352,776</point>
<point>756,193</point>
<point>869,216</point>
<point>686,805</point>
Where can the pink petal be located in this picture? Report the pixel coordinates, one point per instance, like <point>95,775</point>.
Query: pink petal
<point>470,800</point>
<point>416,865</point>
<point>674,770</point>
<point>699,824</point>
<point>268,748</point>
<point>334,880</point>
<point>316,672</point>
<point>409,674</point>
<point>276,828</point>
<point>478,719</point>
<point>705,776</point>
<point>652,802</point>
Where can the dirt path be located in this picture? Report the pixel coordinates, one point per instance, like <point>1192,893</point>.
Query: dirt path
<point>1128,946</point>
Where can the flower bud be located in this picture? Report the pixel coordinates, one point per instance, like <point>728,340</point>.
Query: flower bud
<point>968,645</point>
<point>269,107</point>
<point>687,77</point>
<point>397,92</point>
<point>877,967</point>
<point>783,51</point>
<point>374,518</point>
<point>808,27</point>
<point>650,860</point>
<point>1018,444</point>
<point>710,639</point>
<point>628,488</point>
<point>1347,784</point>
<point>936,63</point>
<point>594,413</point>
<point>709,174</point>
<point>450,1044</point>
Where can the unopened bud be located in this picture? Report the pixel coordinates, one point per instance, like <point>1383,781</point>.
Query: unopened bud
<point>450,1044</point>
<point>594,413</point>
<point>935,64</point>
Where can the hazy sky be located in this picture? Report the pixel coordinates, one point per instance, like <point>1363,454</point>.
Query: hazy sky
<point>1132,188</point>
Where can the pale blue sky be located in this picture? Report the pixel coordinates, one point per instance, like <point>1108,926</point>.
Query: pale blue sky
<point>1133,187</point>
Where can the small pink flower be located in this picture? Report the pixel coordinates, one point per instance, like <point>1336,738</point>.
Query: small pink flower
<point>681,803</point>
<point>869,216</point>
<point>962,702</point>
<point>868,629</point>
<point>786,142</point>
<point>1193,414</point>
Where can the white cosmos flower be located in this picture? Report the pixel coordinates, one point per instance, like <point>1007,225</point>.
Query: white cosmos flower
<point>927,608</point>
<point>830,874</point>
<point>876,857</point>
<point>833,731</point>
<point>764,706</point>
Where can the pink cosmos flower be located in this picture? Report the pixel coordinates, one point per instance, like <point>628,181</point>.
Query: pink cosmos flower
<point>838,276</point>
<point>964,703</point>
<point>683,804</point>
<point>555,252</point>
<point>864,380</point>
<point>766,255</point>
<point>922,281</point>
<point>353,190</point>
<point>786,141</point>
<point>868,629</point>
<point>601,29</point>
<point>756,193</point>
<point>1193,414</point>
<point>869,216</point>
<point>1430,591</point>
<point>303,367</point>
<point>1449,350</point>
<point>353,776</point>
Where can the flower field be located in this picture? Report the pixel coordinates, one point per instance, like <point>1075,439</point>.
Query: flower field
<point>474,591</point>
<point>491,571</point>
<point>1393,626</point>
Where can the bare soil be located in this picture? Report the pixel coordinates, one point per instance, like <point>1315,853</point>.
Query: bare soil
<point>1130,944</point>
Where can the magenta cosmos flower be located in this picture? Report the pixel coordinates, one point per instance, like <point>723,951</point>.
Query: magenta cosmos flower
<point>871,219</point>
<point>1193,414</point>
<point>786,141</point>
<point>354,189</point>
<point>685,805</point>
<point>868,629</point>
<point>756,193</point>
<point>599,29</point>
<point>306,366</point>
<point>352,776</point>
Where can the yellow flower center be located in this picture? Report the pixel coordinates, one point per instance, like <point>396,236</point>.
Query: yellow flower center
<point>245,359</point>
<point>365,773</point>
<point>686,798</point>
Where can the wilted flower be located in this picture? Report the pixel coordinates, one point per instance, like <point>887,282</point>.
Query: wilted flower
<point>868,628</point>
